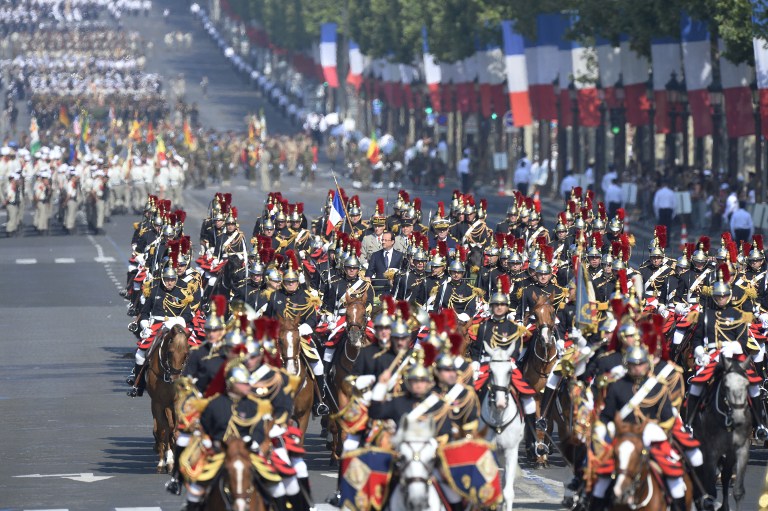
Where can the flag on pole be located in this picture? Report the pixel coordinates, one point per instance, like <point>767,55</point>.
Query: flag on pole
<point>585,81</point>
<point>64,116</point>
<point>761,64</point>
<point>85,128</point>
<point>373,153</point>
<point>609,63</point>
<point>160,149</point>
<point>34,137</point>
<point>517,75</point>
<point>356,66</point>
<point>697,61</point>
<point>586,310</point>
<point>150,133</point>
<point>336,215</point>
<point>135,133</point>
<point>541,58</point>
<point>560,24</point>
<point>634,73</point>
<point>328,54</point>
<point>737,95</point>
<point>188,137</point>
<point>667,59</point>
<point>432,72</point>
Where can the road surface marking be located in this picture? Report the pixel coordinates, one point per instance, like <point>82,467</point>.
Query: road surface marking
<point>64,260</point>
<point>26,261</point>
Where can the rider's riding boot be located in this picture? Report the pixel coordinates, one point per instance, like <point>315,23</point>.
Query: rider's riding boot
<point>459,506</point>
<point>192,506</point>
<point>335,500</point>
<point>281,503</point>
<point>679,504</point>
<point>761,418</point>
<point>131,380</point>
<point>541,448</point>
<point>691,408</point>
<point>139,384</point>
<point>598,504</point>
<point>320,408</point>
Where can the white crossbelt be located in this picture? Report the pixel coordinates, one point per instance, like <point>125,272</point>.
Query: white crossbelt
<point>655,276</point>
<point>644,390</point>
<point>423,407</point>
<point>697,282</point>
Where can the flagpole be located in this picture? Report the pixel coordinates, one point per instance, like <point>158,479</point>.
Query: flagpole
<point>343,204</point>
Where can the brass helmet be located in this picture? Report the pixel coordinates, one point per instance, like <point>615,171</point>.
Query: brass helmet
<point>598,224</point>
<point>446,361</point>
<point>157,221</point>
<point>417,372</point>
<point>615,225</point>
<point>722,287</point>
<point>218,215</point>
<point>499,298</point>
<point>437,260</point>
<point>352,262</point>
<point>218,308</point>
<point>756,252</point>
<point>637,354</point>
<point>268,225</point>
<point>168,231</point>
<point>280,217</point>
<point>683,263</point>
<point>699,255</point>
<point>274,275</point>
<point>383,320</point>
<point>456,264</point>
<point>295,216</point>
<point>608,324</point>
<point>169,272</point>
<point>237,373</point>
<point>234,338</point>
<point>618,264</point>
<point>628,331</point>
<point>491,250</point>
<point>354,209</point>
<point>400,329</point>
<point>516,257</point>
<point>420,255</point>
<point>535,216</point>
<point>231,217</point>
<point>291,274</point>
<point>607,259</point>
<point>654,250</point>
<point>513,210</point>
<point>544,268</point>
<point>579,223</point>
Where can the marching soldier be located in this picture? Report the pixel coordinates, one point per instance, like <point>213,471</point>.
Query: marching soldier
<point>12,202</point>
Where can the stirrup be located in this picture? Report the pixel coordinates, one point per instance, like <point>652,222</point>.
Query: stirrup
<point>541,449</point>
<point>541,424</point>
<point>322,409</point>
<point>135,392</point>
<point>335,500</point>
<point>173,487</point>
<point>131,380</point>
<point>761,432</point>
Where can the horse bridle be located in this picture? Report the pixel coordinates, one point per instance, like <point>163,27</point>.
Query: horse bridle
<point>416,459</point>
<point>635,480</point>
<point>728,414</point>
<point>170,373</point>
<point>230,496</point>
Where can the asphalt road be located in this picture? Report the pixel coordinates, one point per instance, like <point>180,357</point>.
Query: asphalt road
<point>70,438</point>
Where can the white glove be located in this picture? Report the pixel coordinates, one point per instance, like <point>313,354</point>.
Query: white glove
<point>618,372</point>
<point>763,319</point>
<point>144,323</point>
<point>681,309</point>
<point>302,254</point>
<point>141,259</point>
<point>305,330</point>
<point>664,312</point>
<point>560,344</point>
<point>301,278</point>
<point>145,333</point>
<point>475,370</point>
<point>276,431</point>
<point>364,381</point>
<point>700,356</point>
<point>463,317</point>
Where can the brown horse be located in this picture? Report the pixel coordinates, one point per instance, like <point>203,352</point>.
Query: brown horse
<point>541,357</point>
<point>636,487</point>
<point>295,362</point>
<point>164,366</point>
<point>354,340</point>
<point>235,489</point>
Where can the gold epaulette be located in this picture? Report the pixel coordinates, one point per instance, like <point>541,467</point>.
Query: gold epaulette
<point>135,225</point>
<point>519,293</point>
<point>476,291</point>
<point>632,241</point>
<point>705,291</point>
<point>750,292</point>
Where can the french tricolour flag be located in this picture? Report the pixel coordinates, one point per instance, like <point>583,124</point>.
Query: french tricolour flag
<point>541,57</point>
<point>609,62</point>
<point>761,67</point>
<point>432,72</point>
<point>564,68</point>
<point>634,72</point>
<point>517,75</point>
<point>667,59</point>
<point>356,66</point>
<point>585,80</point>
<point>336,215</point>
<point>697,61</point>
<point>491,75</point>
<point>739,120</point>
<point>328,54</point>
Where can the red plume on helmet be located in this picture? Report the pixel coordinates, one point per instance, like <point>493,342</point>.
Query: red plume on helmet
<point>181,215</point>
<point>661,235</point>
<point>505,285</point>
<point>561,217</point>
<point>585,213</point>
<point>278,259</point>
<point>442,248</point>
<point>616,249</point>
<point>726,238</point>
<point>758,240</point>
<point>417,204</point>
<point>300,208</point>
<point>220,301</point>
<point>746,248</point>
<point>548,253</point>
<point>597,240</point>
<point>621,214</point>
<point>441,209</point>
<point>726,272</point>
<point>601,210</point>
<point>572,207</point>
<point>590,195</point>
<point>439,321</point>
<point>510,240</point>
<point>266,255</point>
<point>462,254</point>
<point>589,201</point>
<point>484,204</point>
<point>500,239</point>
<point>405,309</point>
<point>380,206</point>
<point>623,282</point>
<point>706,243</point>
<point>520,245</point>
<point>577,191</point>
<point>173,249</point>
<point>406,197</point>
<point>733,252</point>
<point>389,304</point>
<point>290,255</point>
<point>456,344</point>
<point>450,320</point>
<point>356,246</point>
<point>185,244</point>
<point>690,248</point>
<point>430,353</point>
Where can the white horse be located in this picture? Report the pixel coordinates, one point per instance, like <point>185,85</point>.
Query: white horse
<point>505,421</point>
<point>416,445</point>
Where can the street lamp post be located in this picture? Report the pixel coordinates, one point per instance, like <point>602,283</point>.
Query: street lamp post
<point>716,100</point>
<point>684,113</point>
<point>651,123</point>
<point>573,95</point>
<point>673,98</point>
<point>620,141</point>
<point>758,141</point>
<point>562,138</point>
<point>600,141</point>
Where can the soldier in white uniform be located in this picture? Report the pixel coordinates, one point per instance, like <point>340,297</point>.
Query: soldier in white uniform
<point>176,181</point>
<point>42,194</point>
<point>72,200</point>
<point>12,201</point>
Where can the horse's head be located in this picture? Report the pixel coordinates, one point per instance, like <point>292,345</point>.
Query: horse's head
<point>732,398</point>
<point>501,372</point>
<point>356,320</point>
<point>631,460</point>
<point>237,467</point>
<point>544,313</point>
<point>173,353</point>
<point>417,449</point>
<point>289,344</point>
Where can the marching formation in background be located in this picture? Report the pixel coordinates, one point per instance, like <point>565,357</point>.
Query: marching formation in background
<point>428,349</point>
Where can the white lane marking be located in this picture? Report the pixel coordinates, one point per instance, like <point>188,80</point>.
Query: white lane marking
<point>64,260</point>
<point>138,509</point>
<point>551,489</point>
<point>26,261</point>
<point>86,477</point>
<point>46,510</point>
<point>332,475</point>
<point>102,259</point>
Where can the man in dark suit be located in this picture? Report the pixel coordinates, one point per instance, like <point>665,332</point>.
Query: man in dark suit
<point>384,259</point>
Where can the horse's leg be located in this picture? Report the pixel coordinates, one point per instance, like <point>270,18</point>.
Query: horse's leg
<point>168,437</point>
<point>742,458</point>
<point>158,418</point>
<point>726,472</point>
<point>510,440</point>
